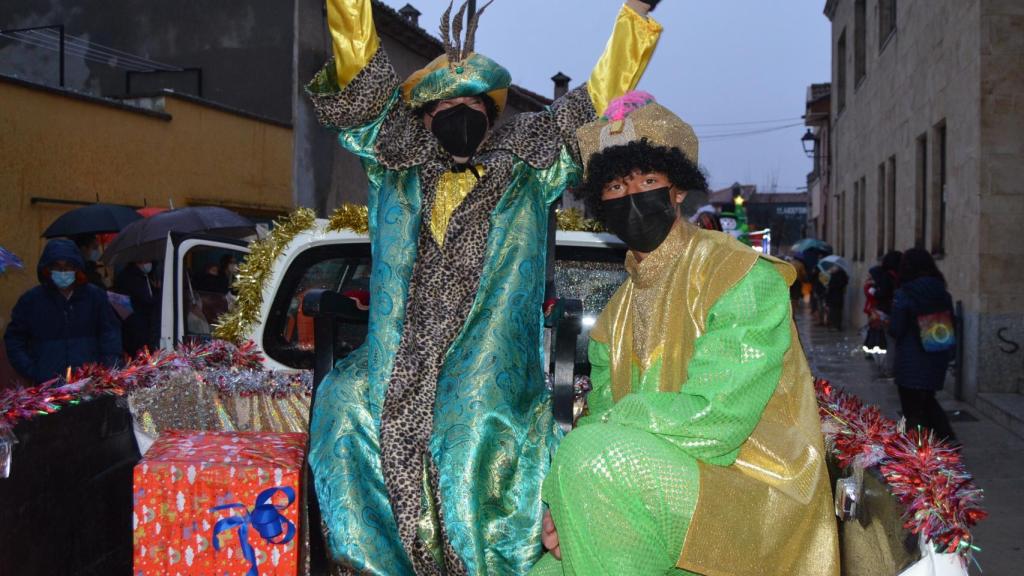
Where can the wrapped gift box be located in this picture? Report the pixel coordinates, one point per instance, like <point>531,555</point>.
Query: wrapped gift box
<point>186,475</point>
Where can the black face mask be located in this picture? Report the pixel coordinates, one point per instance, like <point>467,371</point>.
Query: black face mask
<point>641,220</point>
<point>460,129</point>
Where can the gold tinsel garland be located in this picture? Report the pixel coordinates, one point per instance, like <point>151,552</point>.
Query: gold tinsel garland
<point>253,274</point>
<point>255,271</point>
<point>572,220</point>
<point>349,217</point>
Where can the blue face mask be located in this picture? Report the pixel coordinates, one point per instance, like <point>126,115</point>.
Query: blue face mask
<point>146,268</point>
<point>62,278</point>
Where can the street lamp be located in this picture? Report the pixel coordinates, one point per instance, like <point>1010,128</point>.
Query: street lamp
<point>809,141</point>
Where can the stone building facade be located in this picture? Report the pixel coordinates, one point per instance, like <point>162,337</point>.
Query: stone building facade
<point>927,149</point>
<point>818,118</point>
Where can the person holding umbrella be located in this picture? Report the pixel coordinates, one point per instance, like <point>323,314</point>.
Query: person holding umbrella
<point>89,246</point>
<point>63,323</point>
<point>82,225</point>
<point>145,240</point>
<point>136,282</point>
<point>837,270</point>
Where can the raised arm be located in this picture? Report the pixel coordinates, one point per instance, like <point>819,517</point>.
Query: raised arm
<point>626,56</point>
<point>618,70</point>
<point>354,92</point>
<point>353,37</point>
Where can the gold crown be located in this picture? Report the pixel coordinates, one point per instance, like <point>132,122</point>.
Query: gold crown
<point>652,121</point>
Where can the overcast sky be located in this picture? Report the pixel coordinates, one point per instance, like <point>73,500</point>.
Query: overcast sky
<point>725,66</point>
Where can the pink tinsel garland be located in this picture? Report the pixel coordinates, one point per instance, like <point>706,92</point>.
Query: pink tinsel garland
<point>925,474</point>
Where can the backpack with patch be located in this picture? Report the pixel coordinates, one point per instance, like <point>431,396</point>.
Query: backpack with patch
<point>937,331</point>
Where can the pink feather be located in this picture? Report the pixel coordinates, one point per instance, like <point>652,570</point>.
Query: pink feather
<point>624,105</point>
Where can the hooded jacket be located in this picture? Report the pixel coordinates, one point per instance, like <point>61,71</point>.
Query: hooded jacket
<point>49,333</point>
<point>914,367</point>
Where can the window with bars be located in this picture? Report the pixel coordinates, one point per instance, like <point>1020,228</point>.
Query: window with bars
<point>860,36</point>
<point>841,72</point>
<point>860,219</point>
<point>840,243</point>
<point>890,200</point>
<point>856,221</point>
<point>886,21</point>
<point>921,191</point>
<point>881,216</point>
<point>938,191</point>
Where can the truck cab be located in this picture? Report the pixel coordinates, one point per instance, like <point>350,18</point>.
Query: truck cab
<point>585,266</point>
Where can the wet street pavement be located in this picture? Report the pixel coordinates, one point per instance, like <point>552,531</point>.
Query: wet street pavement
<point>992,453</point>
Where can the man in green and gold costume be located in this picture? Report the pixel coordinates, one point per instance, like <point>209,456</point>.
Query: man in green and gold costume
<point>430,442</point>
<point>701,452</point>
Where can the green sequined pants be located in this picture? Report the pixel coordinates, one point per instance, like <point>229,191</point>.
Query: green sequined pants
<point>622,500</point>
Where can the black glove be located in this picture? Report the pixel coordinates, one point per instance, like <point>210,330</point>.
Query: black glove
<point>652,3</point>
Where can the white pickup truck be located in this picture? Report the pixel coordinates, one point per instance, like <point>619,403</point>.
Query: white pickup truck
<point>587,267</point>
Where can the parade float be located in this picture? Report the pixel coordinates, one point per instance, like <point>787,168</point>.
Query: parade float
<point>905,503</point>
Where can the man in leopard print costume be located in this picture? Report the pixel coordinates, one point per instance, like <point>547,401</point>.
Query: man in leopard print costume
<point>429,443</point>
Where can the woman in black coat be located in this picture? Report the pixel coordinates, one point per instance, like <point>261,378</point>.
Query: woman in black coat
<point>835,296</point>
<point>921,324</point>
<point>136,283</point>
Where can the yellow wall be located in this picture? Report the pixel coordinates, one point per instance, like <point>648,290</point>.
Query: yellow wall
<point>58,146</point>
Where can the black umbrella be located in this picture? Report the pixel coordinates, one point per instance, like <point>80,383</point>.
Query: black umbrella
<point>92,219</point>
<point>144,240</point>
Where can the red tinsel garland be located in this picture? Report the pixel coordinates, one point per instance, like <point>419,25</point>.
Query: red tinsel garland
<point>95,380</point>
<point>925,474</point>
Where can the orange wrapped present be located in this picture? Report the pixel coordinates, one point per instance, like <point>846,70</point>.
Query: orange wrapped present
<point>219,503</point>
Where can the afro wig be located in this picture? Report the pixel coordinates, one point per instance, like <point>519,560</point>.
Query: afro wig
<point>620,161</point>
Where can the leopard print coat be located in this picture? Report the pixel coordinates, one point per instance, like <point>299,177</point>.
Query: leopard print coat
<point>445,277</point>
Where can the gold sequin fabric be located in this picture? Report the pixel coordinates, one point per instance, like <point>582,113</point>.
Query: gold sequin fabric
<point>654,122</point>
<point>685,355</point>
<point>452,189</point>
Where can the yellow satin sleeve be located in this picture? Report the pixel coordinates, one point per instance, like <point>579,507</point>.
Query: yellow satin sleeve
<point>625,58</point>
<point>353,36</point>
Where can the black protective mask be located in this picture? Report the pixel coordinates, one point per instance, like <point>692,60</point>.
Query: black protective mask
<point>641,220</point>
<point>460,129</point>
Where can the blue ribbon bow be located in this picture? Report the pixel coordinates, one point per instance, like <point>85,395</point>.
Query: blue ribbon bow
<point>265,517</point>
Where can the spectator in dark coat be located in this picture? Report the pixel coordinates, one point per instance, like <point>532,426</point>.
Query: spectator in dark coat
<point>884,280</point>
<point>835,296</point>
<point>920,373</point>
<point>884,277</point>
<point>135,281</point>
<point>89,247</point>
<point>64,322</point>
